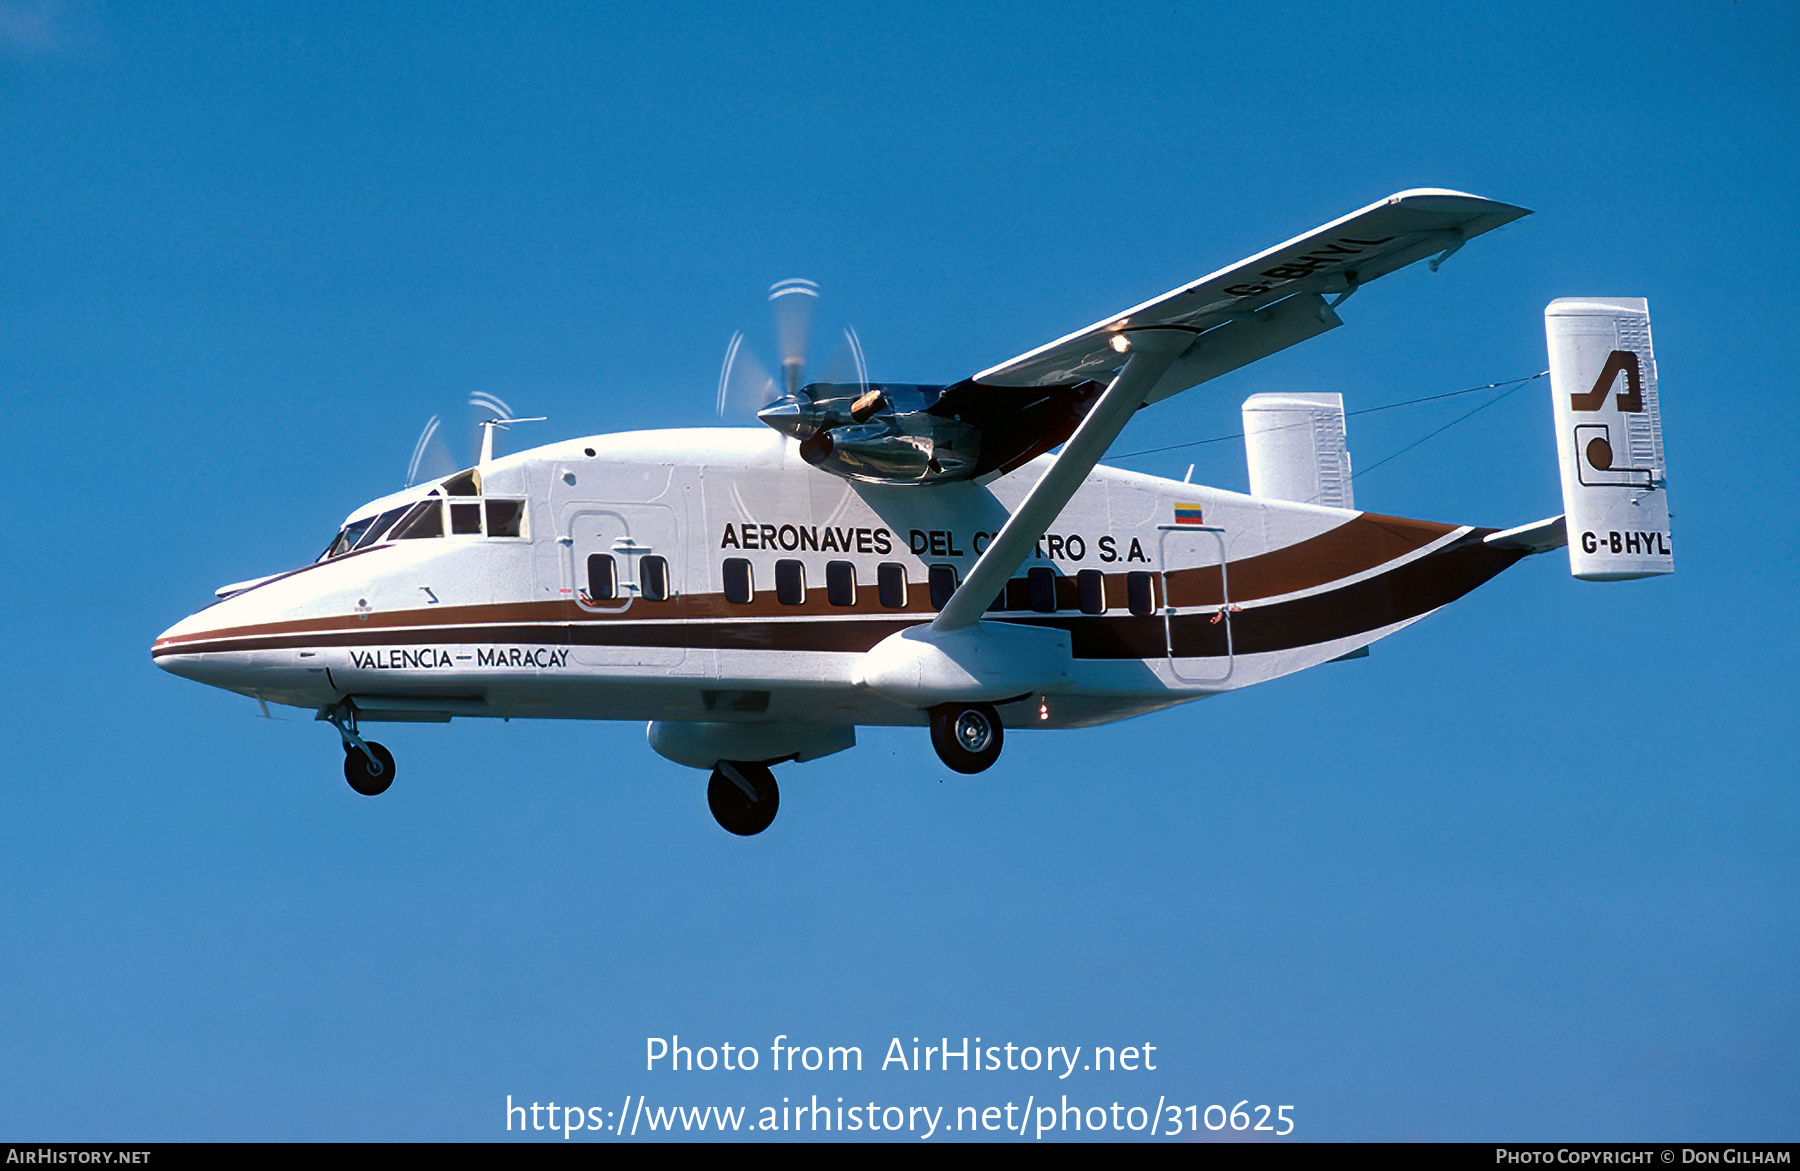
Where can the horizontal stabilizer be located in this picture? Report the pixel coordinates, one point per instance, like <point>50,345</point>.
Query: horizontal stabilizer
<point>1540,536</point>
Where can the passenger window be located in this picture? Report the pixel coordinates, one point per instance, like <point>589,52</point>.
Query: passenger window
<point>602,578</point>
<point>739,587</point>
<point>1090,590</point>
<point>840,583</point>
<point>1040,583</point>
<point>505,518</point>
<point>465,519</point>
<point>425,520</point>
<point>1018,594</point>
<point>653,578</point>
<point>1140,592</point>
<point>890,582</point>
<point>943,584</point>
<point>790,582</point>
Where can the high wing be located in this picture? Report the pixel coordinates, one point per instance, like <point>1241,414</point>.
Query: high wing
<point>1199,331</point>
<point>1335,259</point>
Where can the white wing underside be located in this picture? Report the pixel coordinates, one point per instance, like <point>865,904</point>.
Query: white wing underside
<point>1237,315</point>
<point>1334,259</point>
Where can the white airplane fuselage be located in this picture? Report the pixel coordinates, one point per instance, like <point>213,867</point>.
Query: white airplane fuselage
<point>777,580</point>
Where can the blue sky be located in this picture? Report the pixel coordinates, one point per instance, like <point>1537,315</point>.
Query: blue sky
<point>250,248</point>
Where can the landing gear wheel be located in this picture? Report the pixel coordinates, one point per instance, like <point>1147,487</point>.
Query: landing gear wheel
<point>967,736</point>
<point>370,778</point>
<point>743,796</point>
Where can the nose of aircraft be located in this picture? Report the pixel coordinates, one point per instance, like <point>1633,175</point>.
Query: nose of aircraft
<point>166,652</point>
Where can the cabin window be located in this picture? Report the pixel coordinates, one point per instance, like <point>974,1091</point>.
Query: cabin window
<point>464,484</point>
<point>465,519</point>
<point>425,520</point>
<point>790,582</point>
<point>1090,591</point>
<point>505,518</point>
<point>1040,585</point>
<point>1140,592</point>
<point>840,583</point>
<point>1018,594</point>
<point>602,578</point>
<point>890,583</point>
<point>739,587</point>
<point>943,584</point>
<point>653,578</point>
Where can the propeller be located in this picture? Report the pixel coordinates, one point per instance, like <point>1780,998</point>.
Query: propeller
<point>438,454</point>
<point>746,387</point>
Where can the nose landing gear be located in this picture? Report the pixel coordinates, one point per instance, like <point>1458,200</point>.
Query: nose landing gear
<point>369,774</point>
<point>743,796</point>
<point>967,736</point>
<point>368,766</point>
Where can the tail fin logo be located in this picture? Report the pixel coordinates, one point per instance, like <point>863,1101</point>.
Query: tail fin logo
<point>1595,442</point>
<point>1631,402</point>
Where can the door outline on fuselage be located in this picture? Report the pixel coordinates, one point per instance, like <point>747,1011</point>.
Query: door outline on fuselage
<point>627,533</point>
<point>1221,613</point>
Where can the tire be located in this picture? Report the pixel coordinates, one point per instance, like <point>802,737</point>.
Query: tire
<point>967,736</point>
<point>367,780</point>
<point>737,811</point>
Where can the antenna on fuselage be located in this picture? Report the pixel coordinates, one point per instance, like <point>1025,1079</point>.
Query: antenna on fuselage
<point>487,435</point>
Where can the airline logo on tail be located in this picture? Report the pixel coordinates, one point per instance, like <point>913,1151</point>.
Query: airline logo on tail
<point>1595,440</point>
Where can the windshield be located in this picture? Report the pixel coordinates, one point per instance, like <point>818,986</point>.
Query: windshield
<point>426,518</point>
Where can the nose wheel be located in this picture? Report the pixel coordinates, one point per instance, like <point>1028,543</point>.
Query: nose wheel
<point>743,796</point>
<point>369,774</point>
<point>368,766</point>
<point>967,736</point>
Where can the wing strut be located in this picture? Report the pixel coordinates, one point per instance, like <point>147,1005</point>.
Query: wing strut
<point>1150,352</point>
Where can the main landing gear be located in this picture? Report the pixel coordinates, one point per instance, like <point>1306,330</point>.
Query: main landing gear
<point>967,736</point>
<point>368,766</point>
<point>743,796</point>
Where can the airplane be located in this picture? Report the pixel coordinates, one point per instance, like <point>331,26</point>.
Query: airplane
<point>952,556</point>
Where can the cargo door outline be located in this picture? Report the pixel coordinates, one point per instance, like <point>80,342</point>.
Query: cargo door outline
<point>1207,669</point>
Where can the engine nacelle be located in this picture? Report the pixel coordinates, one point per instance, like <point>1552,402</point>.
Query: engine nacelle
<point>906,433</point>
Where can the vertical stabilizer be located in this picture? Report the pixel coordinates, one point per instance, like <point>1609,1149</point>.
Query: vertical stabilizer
<point>1609,437</point>
<point>1297,450</point>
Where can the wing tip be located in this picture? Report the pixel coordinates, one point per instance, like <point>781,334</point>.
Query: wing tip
<point>1444,199</point>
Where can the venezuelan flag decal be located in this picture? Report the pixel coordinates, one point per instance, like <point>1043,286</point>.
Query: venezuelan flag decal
<point>1189,514</point>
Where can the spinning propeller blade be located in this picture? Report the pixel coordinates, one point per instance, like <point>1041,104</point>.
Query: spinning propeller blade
<point>746,387</point>
<point>442,451</point>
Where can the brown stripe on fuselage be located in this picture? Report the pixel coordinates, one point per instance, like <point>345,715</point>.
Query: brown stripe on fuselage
<point>1357,546</point>
<point>1406,591</point>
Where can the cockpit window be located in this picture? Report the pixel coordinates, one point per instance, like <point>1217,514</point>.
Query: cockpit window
<point>379,528</point>
<point>505,518</point>
<point>425,520</point>
<point>347,537</point>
